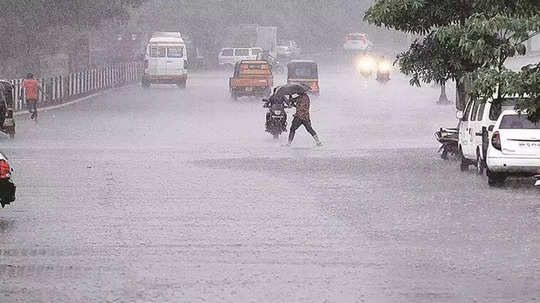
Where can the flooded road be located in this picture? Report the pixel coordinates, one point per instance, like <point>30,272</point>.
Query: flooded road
<point>168,195</point>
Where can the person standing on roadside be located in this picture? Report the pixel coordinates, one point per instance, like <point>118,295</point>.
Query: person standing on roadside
<point>31,88</point>
<point>302,118</point>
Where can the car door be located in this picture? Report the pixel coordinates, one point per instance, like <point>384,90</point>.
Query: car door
<point>226,56</point>
<point>175,60</point>
<point>464,128</point>
<point>475,128</point>
<point>157,61</point>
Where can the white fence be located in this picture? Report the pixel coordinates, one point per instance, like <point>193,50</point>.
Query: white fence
<point>61,89</point>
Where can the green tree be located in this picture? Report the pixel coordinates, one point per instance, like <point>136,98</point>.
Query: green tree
<point>462,36</point>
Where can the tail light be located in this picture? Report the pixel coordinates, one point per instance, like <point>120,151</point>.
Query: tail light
<point>314,86</point>
<point>5,170</point>
<point>146,63</point>
<point>347,37</point>
<point>496,141</point>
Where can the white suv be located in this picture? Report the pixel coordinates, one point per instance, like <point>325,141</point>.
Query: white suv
<point>514,148</point>
<point>228,57</point>
<point>474,131</point>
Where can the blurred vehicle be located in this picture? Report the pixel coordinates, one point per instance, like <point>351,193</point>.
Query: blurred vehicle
<point>276,117</point>
<point>7,187</point>
<point>7,118</point>
<point>448,138</point>
<point>384,68</point>
<point>165,60</point>
<point>274,62</point>
<point>228,57</point>
<point>474,130</point>
<point>287,49</point>
<point>514,148</point>
<point>251,78</point>
<point>357,42</point>
<point>366,65</point>
<point>306,72</point>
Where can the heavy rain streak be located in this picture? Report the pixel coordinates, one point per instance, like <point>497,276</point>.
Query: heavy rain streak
<point>270,151</point>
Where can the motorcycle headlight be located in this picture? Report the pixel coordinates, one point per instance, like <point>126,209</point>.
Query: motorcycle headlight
<point>277,112</point>
<point>366,64</point>
<point>385,66</point>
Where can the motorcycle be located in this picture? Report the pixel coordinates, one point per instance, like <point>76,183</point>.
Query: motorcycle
<point>7,187</point>
<point>276,117</point>
<point>448,137</point>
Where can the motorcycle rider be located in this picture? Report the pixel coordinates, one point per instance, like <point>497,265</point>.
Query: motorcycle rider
<point>301,102</point>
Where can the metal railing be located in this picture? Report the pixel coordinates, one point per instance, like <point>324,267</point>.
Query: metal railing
<point>62,89</point>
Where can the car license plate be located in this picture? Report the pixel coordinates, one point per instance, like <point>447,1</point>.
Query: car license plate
<point>248,89</point>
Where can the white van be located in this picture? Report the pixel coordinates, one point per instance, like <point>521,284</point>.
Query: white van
<point>165,60</point>
<point>475,128</point>
<point>228,57</point>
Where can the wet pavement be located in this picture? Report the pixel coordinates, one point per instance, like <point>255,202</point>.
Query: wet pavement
<point>169,195</point>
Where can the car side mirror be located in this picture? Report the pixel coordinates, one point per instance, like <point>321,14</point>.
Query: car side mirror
<point>491,128</point>
<point>459,115</point>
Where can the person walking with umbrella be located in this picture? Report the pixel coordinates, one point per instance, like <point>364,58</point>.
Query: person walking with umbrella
<point>302,102</point>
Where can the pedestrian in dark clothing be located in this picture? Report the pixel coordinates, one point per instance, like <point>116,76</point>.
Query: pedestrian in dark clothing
<point>302,118</point>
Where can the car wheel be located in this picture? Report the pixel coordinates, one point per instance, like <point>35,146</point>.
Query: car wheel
<point>464,164</point>
<point>182,84</point>
<point>479,164</point>
<point>496,179</point>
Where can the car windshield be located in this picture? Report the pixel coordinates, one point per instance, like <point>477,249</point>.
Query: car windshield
<point>497,108</point>
<point>303,72</point>
<point>227,52</point>
<point>157,52</point>
<point>357,37</point>
<point>517,121</point>
<point>241,52</point>
<point>175,52</point>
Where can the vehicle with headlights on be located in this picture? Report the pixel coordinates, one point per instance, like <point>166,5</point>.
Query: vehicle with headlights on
<point>366,65</point>
<point>514,148</point>
<point>384,68</point>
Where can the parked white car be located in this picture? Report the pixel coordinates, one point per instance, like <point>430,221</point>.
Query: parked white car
<point>288,49</point>
<point>514,148</point>
<point>357,42</point>
<point>228,57</point>
<point>165,60</point>
<point>474,131</point>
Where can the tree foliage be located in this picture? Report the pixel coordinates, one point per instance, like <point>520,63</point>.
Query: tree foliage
<point>465,39</point>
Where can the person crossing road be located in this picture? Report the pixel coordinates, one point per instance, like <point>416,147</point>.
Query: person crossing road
<point>302,117</point>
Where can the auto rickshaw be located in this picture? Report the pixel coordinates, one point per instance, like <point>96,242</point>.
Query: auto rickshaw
<point>305,72</point>
<point>7,118</point>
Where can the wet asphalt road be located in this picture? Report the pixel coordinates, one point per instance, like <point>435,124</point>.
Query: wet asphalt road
<point>163,195</point>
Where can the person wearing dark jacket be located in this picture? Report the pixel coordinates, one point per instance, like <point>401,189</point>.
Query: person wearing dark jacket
<point>302,117</point>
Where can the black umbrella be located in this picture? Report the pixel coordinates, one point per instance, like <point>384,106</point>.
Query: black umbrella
<point>291,89</point>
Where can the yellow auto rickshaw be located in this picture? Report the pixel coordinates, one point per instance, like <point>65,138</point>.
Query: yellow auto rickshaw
<point>7,118</point>
<point>305,72</point>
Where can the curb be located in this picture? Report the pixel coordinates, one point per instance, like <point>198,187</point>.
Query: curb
<point>52,107</point>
